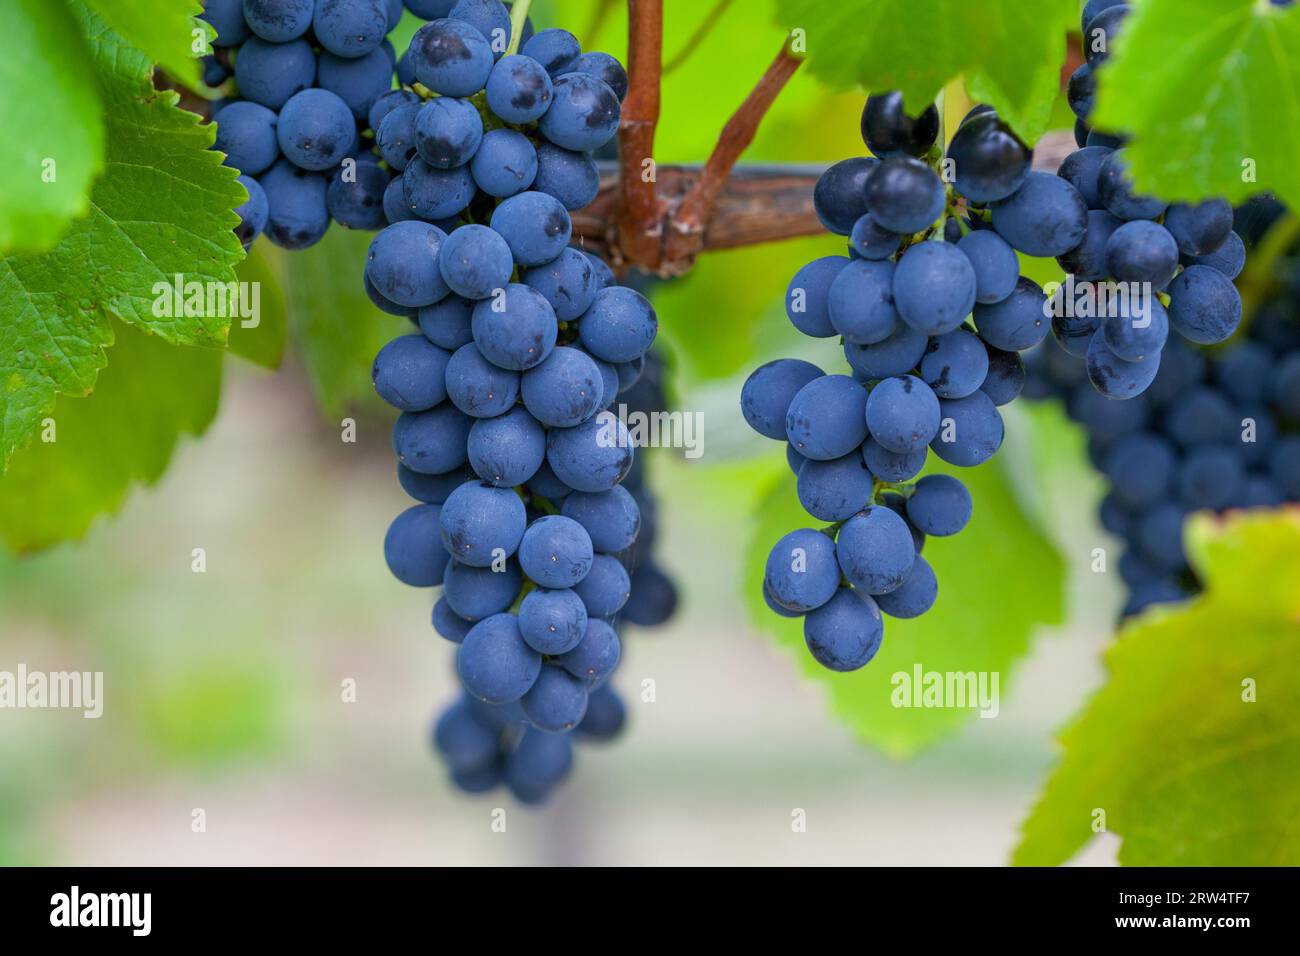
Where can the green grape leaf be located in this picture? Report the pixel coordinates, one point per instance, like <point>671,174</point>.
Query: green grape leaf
<point>1010,51</point>
<point>974,628</point>
<point>53,146</point>
<point>1192,748</point>
<point>333,320</point>
<point>163,208</point>
<point>260,337</point>
<point>92,450</point>
<point>1210,91</point>
<point>166,31</point>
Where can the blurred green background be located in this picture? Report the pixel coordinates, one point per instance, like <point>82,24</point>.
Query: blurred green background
<point>223,690</point>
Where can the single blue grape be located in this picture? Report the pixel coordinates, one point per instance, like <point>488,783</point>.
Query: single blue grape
<point>557,702</point>
<point>494,663</point>
<point>564,390</point>
<point>955,364</point>
<point>246,134</point>
<point>432,442</point>
<point>1142,251</point>
<point>535,225</point>
<point>516,329</point>
<point>903,414</point>
<point>227,18</point>
<point>1044,217</point>
<point>892,466</point>
<point>991,160</point>
<point>552,622</point>
<point>505,164</point>
<point>1211,476</point>
<point>915,596</point>
<point>897,355</point>
<point>355,198</point>
<point>1202,228</point>
<point>568,283</point>
<point>1229,258</point>
<point>835,490</point>
<point>870,240</point>
<point>808,295</point>
<point>477,387</point>
<point>596,657</point>
<point>940,505</point>
<point>481,524</point>
<point>449,625</point>
<point>478,593</point>
<point>412,549</point>
<point>297,214</point>
<point>447,323</point>
<point>350,28</point>
<point>403,263</point>
<point>436,194</point>
<point>593,456</point>
<point>1199,416</point>
<point>620,325</point>
<point>489,17</point>
<point>1204,305</point>
<point>395,136</point>
<point>606,714</point>
<point>875,550</point>
<point>537,765</point>
<point>1136,337</point>
<point>448,132</point>
<point>571,177</point>
<point>253,212</point>
<point>603,67</point>
<point>802,571</point>
<point>1006,378</point>
<point>845,633</point>
<point>934,287</point>
<point>1081,170</point>
<point>451,58</point>
<point>519,90</point>
<point>904,195</point>
<point>970,430</point>
<point>839,198</point>
<point>827,417</point>
<point>546,485</point>
<point>612,518</point>
<point>1082,91</point>
<point>409,373</point>
<point>507,450</point>
<point>316,130</point>
<point>388,102</point>
<point>860,302</point>
<point>464,741</point>
<point>583,115</point>
<point>475,262</point>
<point>271,73</point>
<point>1115,377</point>
<point>995,263</point>
<point>556,552</point>
<point>1017,323</point>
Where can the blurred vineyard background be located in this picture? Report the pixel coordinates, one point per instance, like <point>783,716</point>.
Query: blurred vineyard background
<point>223,689</point>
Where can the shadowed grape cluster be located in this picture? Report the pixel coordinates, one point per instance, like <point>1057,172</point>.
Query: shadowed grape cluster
<point>1218,429</point>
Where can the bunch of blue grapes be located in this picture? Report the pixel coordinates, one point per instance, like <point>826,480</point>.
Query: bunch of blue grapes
<point>1138,266</point>
<point>1217,430</point>
<point>511,435</point>
<point>932,314</point>
<point>312,79</point>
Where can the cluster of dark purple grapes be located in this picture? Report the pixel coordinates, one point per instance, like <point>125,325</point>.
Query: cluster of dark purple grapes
<point>1137,265</point>
<point>309,75</point>
<point>923,376</point>
<point>1216,430</point>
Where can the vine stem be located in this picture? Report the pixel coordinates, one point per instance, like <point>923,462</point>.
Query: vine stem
<point>692,216</point>
<point>639,228</point>
<point>518,17</point>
